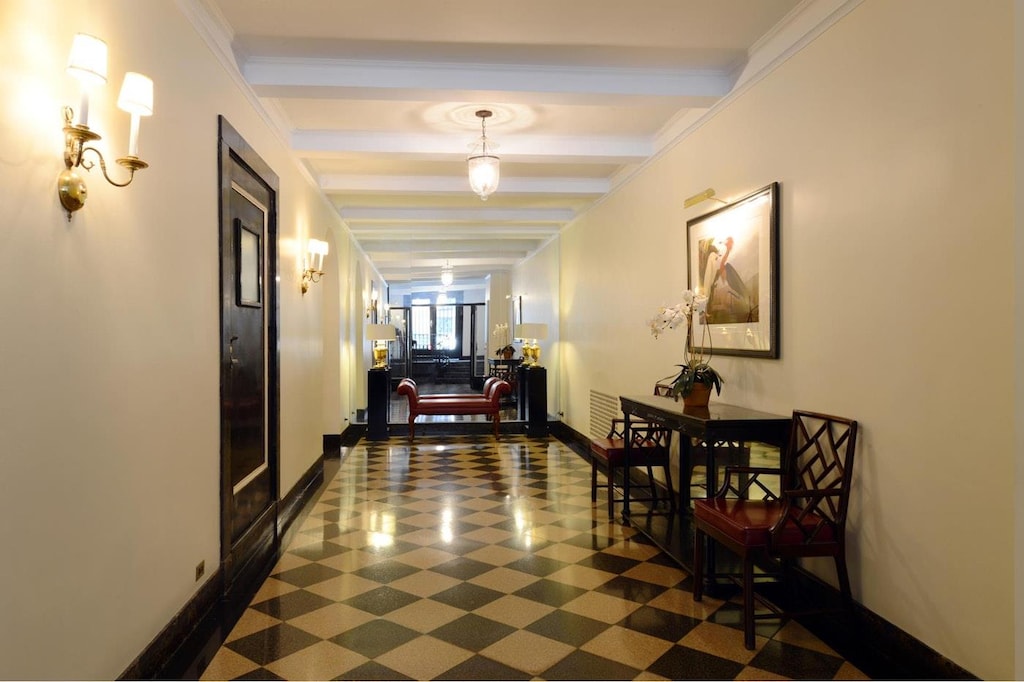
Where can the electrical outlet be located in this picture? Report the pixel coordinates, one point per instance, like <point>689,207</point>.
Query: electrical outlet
<point>200,569</point>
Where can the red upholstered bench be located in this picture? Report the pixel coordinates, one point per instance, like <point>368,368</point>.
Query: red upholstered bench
<point>486,403</point>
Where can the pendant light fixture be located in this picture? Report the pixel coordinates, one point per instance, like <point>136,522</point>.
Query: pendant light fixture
<point>447,275</point>
<point>484,171</point>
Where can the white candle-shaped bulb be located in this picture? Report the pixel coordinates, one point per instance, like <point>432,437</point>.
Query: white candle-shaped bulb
<point>317,250</point>
<point>137,99</point>
<point>87,62</point>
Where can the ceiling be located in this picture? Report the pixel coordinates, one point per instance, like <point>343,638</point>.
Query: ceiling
<point>378,100</point>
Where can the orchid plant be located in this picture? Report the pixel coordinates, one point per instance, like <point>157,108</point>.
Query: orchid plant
<point>696,357</point>
<point>502,339</point>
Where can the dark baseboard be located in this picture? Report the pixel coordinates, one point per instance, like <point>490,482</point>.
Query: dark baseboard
<point>188,643</point>
<point>351,435</point>
<point>877,647</point>
<point>332,445</point>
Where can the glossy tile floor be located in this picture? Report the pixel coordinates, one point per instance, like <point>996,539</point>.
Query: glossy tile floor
<point>473,558</point>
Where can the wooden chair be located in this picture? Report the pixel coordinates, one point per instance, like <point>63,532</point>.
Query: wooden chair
<point>649,448</point>
<point>807,518</point>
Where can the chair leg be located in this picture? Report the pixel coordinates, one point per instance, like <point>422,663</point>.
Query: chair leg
<point>748,601</point>
<point>593,479</point>
<point>844,578</point>
<point>698,564</point>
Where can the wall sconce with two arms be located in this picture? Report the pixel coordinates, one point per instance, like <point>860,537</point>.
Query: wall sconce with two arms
<point>88,64</point>
<point>314,267</point>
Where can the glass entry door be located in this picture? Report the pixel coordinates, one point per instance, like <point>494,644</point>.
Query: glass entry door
<point>440,344</point>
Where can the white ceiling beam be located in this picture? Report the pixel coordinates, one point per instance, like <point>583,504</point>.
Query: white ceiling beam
<point>269,75</point>
<point>457,259</point>
<point>568,149</point>
<point>455,215</point>
<point>507,229</point>
<point>453,185</point>
<point>386,247</point>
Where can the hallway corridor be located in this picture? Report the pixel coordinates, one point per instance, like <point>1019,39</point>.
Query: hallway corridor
<point>474,558</point>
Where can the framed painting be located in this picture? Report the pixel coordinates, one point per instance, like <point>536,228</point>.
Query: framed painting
<point>732,257</point>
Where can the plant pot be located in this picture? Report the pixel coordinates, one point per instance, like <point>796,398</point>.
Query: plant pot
<point>507,354</point>
<point>699,396</point>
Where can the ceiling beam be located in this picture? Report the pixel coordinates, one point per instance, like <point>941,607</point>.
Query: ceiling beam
<point>456,215</point>
<point>303,77</point>
<point>458,185</point>
<point>549,148</point>
<point>371,245</point>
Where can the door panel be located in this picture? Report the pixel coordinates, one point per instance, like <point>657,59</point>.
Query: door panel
<point>250,411</point>
<point>246,403</point>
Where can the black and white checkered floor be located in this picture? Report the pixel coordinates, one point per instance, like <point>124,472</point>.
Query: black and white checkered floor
<point>466,557</point>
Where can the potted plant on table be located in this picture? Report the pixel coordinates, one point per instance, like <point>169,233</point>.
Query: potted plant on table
<point>696,377</point>
<point>502,340</point>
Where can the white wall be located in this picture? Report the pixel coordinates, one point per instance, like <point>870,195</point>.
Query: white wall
<point>537,280</point>
<point>109,412</point>
<point>890,135</point>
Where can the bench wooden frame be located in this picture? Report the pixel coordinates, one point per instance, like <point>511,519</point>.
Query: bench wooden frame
<point>487,403</point>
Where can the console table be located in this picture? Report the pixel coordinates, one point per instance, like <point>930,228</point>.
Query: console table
<point>714,424</point>
<point>507,370</point>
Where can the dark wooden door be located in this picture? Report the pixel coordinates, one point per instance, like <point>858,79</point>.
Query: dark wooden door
<point>249,476</point>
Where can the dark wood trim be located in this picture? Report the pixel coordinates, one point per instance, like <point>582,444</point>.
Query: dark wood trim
<point>183,626</point>
<point>351,435</point>
<point>303,490</point>
<point>332,445</point>
<point>188,643</point>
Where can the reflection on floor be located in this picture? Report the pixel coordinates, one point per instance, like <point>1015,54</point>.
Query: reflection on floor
<point>475,558</point>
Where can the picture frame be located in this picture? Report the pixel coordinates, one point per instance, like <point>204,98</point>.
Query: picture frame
<point>732,256</point>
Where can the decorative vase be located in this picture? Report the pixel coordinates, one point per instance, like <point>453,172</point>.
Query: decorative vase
<point>699,396</point>
<point>508,353</point>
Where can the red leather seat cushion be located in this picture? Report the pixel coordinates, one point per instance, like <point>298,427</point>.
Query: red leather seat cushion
<point>748,522</point>
<point>613,450</point>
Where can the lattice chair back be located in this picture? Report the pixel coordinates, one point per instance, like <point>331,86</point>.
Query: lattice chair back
<point>819,471</point>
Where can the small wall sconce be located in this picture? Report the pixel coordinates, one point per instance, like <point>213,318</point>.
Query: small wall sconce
<point>371,308</point>
<point>380,334</point>
<point>315,252</point>
<point>529,332</point>
<point>709,193</point>
<point>88,63</point>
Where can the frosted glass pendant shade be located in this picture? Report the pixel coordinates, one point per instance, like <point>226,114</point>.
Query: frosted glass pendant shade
<point>484,174</point>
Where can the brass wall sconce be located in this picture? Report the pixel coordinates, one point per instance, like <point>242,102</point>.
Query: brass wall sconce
<point>371,308</point>
<point>88,64</point>
<point>314,270</point>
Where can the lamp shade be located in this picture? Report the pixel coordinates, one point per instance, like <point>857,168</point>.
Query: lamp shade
<point>87,60</point>
<point>381,332</point>
<point>136,94</point>
<point>532,330</point>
